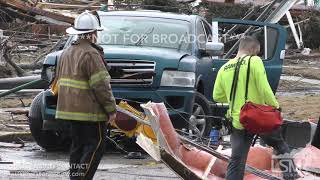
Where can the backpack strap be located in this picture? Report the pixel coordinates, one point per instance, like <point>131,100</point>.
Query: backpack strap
<point>247,81</point>
<point>235,83</point>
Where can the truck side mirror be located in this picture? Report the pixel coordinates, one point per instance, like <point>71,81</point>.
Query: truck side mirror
<point>215,48</point>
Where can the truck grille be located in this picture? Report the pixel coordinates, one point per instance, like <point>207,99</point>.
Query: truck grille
<point>131,72</point>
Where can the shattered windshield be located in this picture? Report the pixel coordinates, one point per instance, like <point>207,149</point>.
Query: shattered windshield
<point>145,31</point>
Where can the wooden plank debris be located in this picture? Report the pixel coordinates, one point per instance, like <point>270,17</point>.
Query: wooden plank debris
<point>19,111</point>
<point>67,6</point>
<point>18,126</point>
<point>10,145</point>
<point>14,136</point>
<point>24,7</point>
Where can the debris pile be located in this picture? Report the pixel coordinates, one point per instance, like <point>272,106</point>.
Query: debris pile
<point>29,30</point>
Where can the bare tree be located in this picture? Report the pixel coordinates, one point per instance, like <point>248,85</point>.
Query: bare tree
<point>6,52</point>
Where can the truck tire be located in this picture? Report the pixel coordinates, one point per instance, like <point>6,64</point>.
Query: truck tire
<point>199,119</point>
<point>48,139</point>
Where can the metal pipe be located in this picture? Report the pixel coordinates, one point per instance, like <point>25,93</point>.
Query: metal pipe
<point>246,17</point>
<point>262,15</point>
<point>9,83</point>
<point>294,30</point>
<point>24,86</point>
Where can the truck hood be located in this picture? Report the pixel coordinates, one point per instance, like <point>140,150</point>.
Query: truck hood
<point>164,57</point>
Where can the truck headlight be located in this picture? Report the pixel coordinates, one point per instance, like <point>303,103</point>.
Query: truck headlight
<point>178,78</point>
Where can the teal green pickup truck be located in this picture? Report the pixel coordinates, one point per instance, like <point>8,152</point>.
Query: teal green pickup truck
<point>150,59</point>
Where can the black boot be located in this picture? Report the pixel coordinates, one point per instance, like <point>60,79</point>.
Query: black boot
<point>288,169</point>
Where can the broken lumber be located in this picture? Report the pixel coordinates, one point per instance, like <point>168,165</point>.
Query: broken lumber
<point>10,145</point>
<point>17,126</point>
<point>20,5</point>
<point>67,6</point>
<point>89,6</point>
<point>32,66</point>
<point>17,14</point>
<point>14,136</point>
<point>16,111</point>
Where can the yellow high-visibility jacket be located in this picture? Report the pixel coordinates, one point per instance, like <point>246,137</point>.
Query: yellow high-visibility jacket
<point>84,91</point>
<point>259,90</point>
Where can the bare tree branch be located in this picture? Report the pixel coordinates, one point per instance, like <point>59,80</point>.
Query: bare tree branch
<point>47,52</point>
<point>7,58</point>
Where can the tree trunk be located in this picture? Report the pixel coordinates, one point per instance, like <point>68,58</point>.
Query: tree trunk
<point>7,58</point>
<point>229,1</point>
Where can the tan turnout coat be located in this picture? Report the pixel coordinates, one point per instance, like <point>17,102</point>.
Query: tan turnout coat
<point>84,91</point>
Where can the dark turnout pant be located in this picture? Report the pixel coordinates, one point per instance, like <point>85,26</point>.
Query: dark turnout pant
<point>88,145</point>
<point>240,144</point>
<point>316,137</point>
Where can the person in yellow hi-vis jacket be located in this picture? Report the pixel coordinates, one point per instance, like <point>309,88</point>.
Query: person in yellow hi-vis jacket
<point>85,97</point>
<point>260,92</point>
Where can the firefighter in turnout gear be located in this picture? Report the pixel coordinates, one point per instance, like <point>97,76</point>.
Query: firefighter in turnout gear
<point>85,97</point>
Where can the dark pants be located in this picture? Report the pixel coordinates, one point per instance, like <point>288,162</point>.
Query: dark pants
<point>88,145</point>
<point>316,137</point>
<point>240,144</point>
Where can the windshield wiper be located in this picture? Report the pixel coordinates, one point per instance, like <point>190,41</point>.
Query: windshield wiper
<point>144,36</point>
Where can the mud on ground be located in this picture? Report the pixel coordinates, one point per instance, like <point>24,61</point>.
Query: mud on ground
<point>300,100</point>
<point>300,107</point>
<point>303,66</point>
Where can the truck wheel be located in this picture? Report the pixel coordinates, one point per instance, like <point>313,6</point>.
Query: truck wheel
<point>47,139</point>
<point>198,119</point>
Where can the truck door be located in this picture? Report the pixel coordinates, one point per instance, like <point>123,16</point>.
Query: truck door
<point>204,71</point>
<point>272,38</point>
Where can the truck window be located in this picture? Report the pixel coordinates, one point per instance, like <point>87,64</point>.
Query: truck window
<point>208,31</point>
<point>201,35</point>
<point>156,32</point>
<point>267,36</point>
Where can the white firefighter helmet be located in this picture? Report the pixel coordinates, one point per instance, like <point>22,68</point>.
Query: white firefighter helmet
<point>84,23</point>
